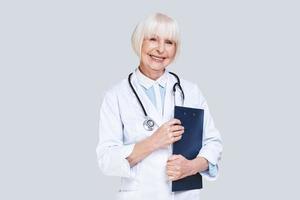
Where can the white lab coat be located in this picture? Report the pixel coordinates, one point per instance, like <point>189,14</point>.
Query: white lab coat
<point>121,127</point>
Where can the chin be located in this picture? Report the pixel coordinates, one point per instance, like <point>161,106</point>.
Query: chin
<point>158,66</point>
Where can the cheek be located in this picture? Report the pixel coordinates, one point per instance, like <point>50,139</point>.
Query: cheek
<point>144,57</point>
<point>170,58</point>
<point>172,52</point>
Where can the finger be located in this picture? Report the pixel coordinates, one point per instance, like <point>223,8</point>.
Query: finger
<point>171,163</point>
<point>173,168</point>
<point>172,173</point>
<point>177,138</point>
<point>171,178</point>
<point>174,121</point>
<point>181,156</point>
<point>174,164</point>
<point>174,178</point>
<point>172,157</point>
<point>177,133</point>
<point>176,128</point>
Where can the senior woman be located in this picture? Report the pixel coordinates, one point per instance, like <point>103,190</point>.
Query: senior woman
<point>139,151</point>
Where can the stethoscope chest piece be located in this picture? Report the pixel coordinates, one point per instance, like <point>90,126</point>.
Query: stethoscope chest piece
<point>148,124</point>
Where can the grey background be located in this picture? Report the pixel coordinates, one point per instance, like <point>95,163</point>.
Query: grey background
<point>58,57</point>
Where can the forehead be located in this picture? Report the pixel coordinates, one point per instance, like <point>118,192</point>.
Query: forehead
<point>161,30</point>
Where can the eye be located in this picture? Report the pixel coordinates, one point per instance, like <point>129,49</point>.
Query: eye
<point>169,42</point>
<point>152,39</point>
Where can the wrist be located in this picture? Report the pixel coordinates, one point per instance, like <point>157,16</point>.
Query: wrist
<point>199,164</point>
<point>151,143</point>
<point>193,167</point>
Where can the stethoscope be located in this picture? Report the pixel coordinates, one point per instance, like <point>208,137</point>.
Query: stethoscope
<point>149,123</point>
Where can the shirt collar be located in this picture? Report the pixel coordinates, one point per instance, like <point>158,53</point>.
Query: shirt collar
<point>146,82</point>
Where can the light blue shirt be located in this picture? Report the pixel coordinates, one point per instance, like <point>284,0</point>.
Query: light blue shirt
<point>151,94</point>
<point>147,85</point>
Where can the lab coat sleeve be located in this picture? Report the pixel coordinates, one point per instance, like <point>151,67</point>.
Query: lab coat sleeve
<point>111,150</point>
<point>212,143</point>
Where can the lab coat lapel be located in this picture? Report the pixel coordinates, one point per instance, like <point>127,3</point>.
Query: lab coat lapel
<point>149,107</point>
<point>169,100</point>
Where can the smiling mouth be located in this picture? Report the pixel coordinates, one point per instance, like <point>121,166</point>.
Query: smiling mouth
<point>157,58</point>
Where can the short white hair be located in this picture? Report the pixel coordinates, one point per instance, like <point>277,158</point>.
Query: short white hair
<point>155,24</point>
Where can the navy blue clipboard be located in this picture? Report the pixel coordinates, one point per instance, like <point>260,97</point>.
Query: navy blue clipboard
<point>189,145</point>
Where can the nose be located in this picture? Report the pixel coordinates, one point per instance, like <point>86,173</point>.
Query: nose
<point>161,47</point>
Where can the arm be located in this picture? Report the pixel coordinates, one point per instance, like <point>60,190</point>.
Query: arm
<point>111,151</point>
<point>140,151</point>
<point>207,160</point>
<point>117,159</point>
<point>212,146</point>
<point>164,136</point>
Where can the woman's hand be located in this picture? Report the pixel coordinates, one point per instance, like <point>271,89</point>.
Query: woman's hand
<point>179,167</point>
<point>167,134</point>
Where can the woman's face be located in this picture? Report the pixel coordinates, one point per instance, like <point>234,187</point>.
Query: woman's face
<point>156,54</point>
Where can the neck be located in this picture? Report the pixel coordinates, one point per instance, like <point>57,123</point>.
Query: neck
<point>152,74</point>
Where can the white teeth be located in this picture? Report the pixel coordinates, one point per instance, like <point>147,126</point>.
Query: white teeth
<point>157,58</point>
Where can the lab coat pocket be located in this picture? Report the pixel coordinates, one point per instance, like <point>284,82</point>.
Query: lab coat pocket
<point>134,130</point>
<point>128,195</point>
<point>143,132</point>
<point>131,134</point>
<point>131,183</point>
<point>129,188</point>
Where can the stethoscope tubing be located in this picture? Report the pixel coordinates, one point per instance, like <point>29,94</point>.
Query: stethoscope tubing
<point>174,90</point>
<point>177,84</point>
<point>136,95</point>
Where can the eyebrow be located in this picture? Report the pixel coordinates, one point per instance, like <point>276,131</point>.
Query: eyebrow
<point>156,36</point>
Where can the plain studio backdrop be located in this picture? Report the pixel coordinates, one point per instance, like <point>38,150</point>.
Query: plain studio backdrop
<point>57,59</point>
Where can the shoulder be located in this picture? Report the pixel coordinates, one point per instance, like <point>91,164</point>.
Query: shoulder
<point>189,85</point>
<point>193,94</point>
<point>115,90</point>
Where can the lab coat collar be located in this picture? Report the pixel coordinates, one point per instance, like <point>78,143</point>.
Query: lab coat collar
<point>146,82</point>
<point>149,107</point>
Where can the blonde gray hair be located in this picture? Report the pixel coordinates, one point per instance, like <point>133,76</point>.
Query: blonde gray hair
<point>155,24</point>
